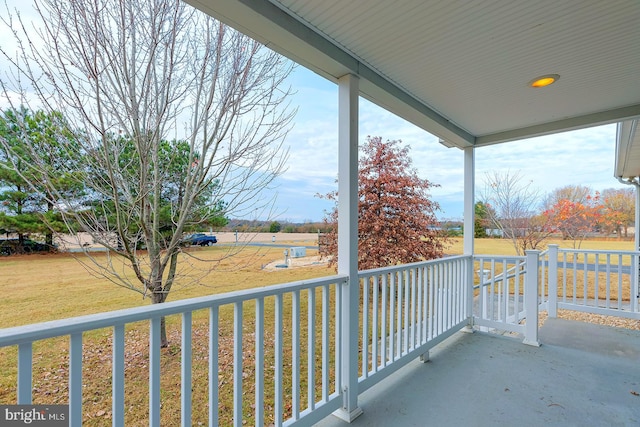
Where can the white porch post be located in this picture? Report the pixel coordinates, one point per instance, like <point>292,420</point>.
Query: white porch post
<point>552,298</point>
<point>636,274</point>
<point>637,222</point>
<point>348,92</point>
<point>531,298</point>
<point>469,226</point>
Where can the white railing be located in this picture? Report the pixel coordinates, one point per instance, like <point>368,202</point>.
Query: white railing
<point>283,346</point>
<point>593,281</point>
<point>507,294</point>
<point>406,310</point>
<point>307,342</point>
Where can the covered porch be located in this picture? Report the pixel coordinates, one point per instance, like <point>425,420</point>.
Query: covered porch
<point>351,344</point>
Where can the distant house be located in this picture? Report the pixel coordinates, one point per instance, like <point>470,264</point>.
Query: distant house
<point>494,232</point>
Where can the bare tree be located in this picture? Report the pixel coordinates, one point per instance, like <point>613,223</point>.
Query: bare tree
<point>514,205</point>
<point>131,77</point>
<point>573,193</point>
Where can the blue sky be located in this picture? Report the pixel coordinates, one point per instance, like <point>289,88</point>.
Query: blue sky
<point>584,157</point>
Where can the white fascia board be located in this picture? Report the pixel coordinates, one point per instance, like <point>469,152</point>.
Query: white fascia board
<point>626,132</point>
<point>563,125</point>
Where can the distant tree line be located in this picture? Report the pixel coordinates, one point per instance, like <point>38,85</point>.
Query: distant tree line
<point>283,226</point>
<point>512,208</point>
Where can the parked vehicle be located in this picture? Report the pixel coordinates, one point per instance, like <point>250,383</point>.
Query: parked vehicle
<point>13,246</point>
<point>200,239</point>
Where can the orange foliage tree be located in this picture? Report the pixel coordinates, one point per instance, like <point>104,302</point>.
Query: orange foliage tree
<point>574,219</point>
<point>396,217</point>
<point>618,210</point>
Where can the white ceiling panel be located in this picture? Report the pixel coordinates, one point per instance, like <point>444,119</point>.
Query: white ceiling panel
<point>471,60</point>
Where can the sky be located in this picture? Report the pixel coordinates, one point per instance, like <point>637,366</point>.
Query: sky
<point>584,157</point>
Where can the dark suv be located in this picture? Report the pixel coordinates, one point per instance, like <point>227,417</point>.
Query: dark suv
<point>13,246</point>
<point>200,239</point>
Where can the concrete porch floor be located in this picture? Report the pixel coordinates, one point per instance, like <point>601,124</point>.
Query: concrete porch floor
<point>582,375</point>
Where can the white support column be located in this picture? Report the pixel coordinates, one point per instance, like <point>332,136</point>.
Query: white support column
<point>636,274</point>
<point>348,92</point>
<point>531,298</point>
<point>469,227</point>
<point>552,298</point>
<point>469,199</point>
<point>637,223</point>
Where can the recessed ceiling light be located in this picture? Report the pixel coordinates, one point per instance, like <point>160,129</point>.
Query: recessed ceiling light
<point>545,80</point>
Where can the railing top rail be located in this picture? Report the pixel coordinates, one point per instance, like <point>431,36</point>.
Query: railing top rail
<point>508,258</point>
<point>38,331</point>
<point>395,268</point>
<point>599,251</point>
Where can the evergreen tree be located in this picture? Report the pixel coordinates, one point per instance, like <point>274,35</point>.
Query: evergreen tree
<point>481,222</point>
<point>28,204</point>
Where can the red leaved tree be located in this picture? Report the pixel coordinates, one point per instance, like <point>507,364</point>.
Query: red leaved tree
<point>396,217</point>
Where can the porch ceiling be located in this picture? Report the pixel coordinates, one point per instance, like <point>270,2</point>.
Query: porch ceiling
<point>460,69</point>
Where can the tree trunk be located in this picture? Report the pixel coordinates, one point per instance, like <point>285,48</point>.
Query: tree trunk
<point>163,296</point>
<point>164,342</point>
<point>48,238</point>
<point>158,297</point>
